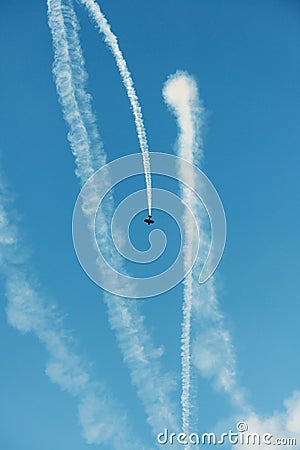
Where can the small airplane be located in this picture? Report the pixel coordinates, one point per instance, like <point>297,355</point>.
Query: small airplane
<point>149,220</point>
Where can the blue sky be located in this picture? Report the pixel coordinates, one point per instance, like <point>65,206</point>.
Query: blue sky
<point>244,56</point>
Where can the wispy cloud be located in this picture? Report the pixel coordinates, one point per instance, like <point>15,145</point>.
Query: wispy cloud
<point>112,42</point>
<point>154,385</point>
<point>30,311</point>
<point>281,424</point>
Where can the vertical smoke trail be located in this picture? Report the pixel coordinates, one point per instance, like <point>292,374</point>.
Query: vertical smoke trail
<point>112,42</point>
<point>141,356</point>
<point>186,354</point>
<point>78,135</point>
<point>79,79</point>
<point>180,93</point>
<point>211,350</point>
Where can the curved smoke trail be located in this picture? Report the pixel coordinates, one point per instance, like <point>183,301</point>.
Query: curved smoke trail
<point>140,354</point>
<point>211,349</point>
<point>112,42</point>
<point>180,93</point>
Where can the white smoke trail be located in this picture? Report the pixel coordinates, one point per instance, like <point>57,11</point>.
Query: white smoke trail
<point>154,386</point>
<point>70,88</point>
<point>212,349</point>
<point>180,93</point>
<point>112,42</point>
<point>78,77</point>
<point>100,416</point>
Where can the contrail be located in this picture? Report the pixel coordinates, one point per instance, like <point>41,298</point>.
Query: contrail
<point>141,356</point>
<point>101,418</point>
<point>180,93</point>
<point>112,42</point>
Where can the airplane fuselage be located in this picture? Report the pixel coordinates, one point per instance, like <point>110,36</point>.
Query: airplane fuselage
<point>149,220</point>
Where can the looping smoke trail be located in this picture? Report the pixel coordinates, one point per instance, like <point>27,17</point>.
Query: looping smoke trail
<point>141,356</point>
<point>112,42</point>
<point>181,95</point>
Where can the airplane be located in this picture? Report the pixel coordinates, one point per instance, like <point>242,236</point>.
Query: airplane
<point>149,220</point>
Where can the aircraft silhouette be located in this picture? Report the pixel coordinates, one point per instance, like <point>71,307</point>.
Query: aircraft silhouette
<point>149,220</point>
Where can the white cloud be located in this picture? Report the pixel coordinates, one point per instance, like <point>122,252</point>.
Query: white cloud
<point>281,424</point>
